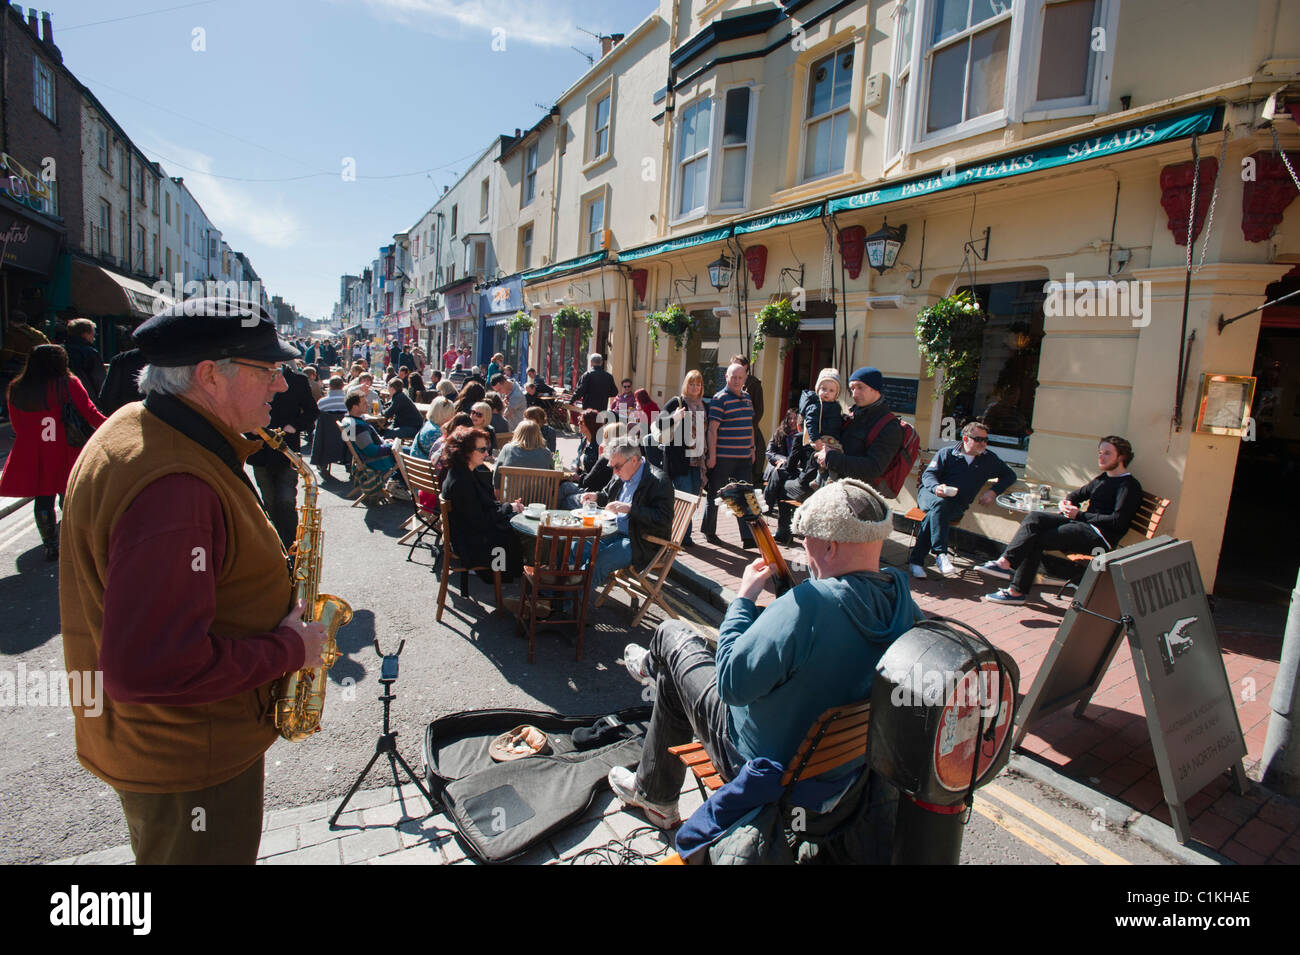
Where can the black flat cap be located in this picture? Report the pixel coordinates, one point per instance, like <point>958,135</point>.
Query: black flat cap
<point>209,329</point>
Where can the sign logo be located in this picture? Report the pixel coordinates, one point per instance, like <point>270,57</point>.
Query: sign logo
<point>1174,644</point>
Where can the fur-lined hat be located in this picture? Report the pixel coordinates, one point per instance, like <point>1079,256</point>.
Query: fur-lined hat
<point>847,511</point>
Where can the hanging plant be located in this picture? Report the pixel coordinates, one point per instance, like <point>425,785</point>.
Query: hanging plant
<point>675,322</point>
<point>777,320</point>
<point>949,336</point>
<point>569,318</point>
<point>520,321</point>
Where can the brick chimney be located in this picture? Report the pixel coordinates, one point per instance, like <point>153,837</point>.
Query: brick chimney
<point>31,20</point>
<point>606,44</point>
<point>47,28</point>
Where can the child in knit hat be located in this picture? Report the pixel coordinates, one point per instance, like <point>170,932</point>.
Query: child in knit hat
<point>823,420</point>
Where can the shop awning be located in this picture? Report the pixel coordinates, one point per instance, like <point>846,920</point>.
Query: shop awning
<point>1097,145</point>
<point>675,244</point>
<point>787,217</point>
<point>97,291</point>
<point>568,265</point>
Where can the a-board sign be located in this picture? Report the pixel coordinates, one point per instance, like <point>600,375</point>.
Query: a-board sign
<point>1152,592</point>
<point>901,394</point>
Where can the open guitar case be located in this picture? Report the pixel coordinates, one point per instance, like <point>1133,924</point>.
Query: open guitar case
<point>501,809</point>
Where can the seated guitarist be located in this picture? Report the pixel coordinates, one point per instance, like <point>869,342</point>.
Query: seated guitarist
<point>774,671</point>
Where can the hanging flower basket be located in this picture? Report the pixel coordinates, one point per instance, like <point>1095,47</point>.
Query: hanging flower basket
<point>949,335</point>
<point>519,322</point>
<point>675,322</point>
<point>569,318</point>
<point>777,320</point>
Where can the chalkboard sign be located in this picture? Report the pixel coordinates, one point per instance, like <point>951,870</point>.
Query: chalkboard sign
<point>1152,592</point>
<point>901,394</point>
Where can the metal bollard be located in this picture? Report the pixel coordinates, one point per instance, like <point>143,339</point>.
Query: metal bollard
<point>1281,760</point>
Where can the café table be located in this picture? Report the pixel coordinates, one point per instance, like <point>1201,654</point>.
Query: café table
<point>528,526</point>
<point>1025,502</point>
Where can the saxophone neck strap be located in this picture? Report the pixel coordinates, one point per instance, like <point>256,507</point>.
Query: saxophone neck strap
<point>180,416</point>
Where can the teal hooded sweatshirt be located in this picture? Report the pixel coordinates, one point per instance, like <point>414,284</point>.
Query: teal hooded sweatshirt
<point>815,647</point>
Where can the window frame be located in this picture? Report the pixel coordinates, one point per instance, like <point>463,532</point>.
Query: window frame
<point>806,121</point>
<point>923,65</point>
<point>706,156</point>
<point>41,70</point>
<point>528,183</point>
<point>526,261</point>
<point>591,198</point>
<point>1032,109</point>
<point>719,148</point>
<point>603,91</point>
<point>105,245</point>
<point>484,198</point>
<point>455,215</point>
<point>105,154</point>
<point>901,79</point>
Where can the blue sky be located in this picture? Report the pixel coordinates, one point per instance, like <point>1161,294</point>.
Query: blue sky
<point>287,89</point>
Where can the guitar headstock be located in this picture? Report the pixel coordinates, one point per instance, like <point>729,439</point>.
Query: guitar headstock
<point>742,500</point>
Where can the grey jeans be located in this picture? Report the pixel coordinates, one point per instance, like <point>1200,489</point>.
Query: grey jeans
<point>686,705</point>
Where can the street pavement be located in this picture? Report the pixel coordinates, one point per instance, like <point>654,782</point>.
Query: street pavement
<point>53,810</point>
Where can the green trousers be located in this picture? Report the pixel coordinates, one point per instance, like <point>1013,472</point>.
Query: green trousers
<point>220,825</point>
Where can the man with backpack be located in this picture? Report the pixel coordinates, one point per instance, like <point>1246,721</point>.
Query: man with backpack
<point>879,448</point>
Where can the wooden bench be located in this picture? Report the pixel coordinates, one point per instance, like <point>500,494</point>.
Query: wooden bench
<point>1145,522</point>
<point>836,737</point>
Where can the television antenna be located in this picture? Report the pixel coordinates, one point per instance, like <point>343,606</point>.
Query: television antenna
<point>590,59</point>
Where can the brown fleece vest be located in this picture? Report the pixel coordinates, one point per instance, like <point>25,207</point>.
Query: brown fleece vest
<point>152,748</point>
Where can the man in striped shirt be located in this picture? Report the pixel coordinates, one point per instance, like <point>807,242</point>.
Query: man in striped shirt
<point>731,449</point>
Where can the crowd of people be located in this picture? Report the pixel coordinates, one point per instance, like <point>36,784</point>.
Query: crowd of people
<point>167,429</point>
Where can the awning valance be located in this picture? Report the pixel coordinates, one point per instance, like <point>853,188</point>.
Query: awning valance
<point>568,265</point>
<point>675,244</point>
<point>1095,146</point>
<point>787,217</point>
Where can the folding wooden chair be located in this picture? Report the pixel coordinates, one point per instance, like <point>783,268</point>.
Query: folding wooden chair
<point>530,485</point>
<point>366,481</point>
<point>451,564</point>
<point>646,584</point>
<point>560,567</point>
<point>503,439</point>
<point>418,475</point>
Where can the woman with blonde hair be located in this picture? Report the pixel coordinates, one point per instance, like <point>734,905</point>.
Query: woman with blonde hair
<point>480,413</point>
<point>439,413</point>
<point>527,450</point>
<point>494,366</point>
<point>681,432</point>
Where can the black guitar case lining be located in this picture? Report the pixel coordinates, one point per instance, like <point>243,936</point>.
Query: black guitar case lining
<point>503,809</point>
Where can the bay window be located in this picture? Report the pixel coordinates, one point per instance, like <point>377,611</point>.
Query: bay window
<point>693,157</point>
<point>735,146</point>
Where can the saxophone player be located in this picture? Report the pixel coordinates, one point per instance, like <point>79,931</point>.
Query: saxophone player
<point>174,583</point>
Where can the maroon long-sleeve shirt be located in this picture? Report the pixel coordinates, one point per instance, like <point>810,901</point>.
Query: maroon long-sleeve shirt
<point>156,645</point>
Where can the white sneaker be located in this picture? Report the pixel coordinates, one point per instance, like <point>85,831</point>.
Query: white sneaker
<point>918,571</point>
<point>637,660</point>
<point>623,783</point>
<point>943,563</point>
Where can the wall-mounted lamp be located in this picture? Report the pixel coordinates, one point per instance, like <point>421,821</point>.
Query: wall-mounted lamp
<point>720,272</point>
<point>883,245</point>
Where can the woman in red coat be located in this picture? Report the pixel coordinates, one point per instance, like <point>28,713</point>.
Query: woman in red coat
<point>41,459</point>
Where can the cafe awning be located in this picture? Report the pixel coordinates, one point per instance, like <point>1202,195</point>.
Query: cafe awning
<point>675,244</point>
<point>785,217</point>
<point>1095,145</point>
<point>568,265</point>
<point>97,291</point>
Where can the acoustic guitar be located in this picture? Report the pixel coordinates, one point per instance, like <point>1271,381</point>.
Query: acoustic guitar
<point>742,500</point>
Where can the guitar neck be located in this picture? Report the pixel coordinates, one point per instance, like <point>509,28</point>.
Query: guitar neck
<point>767,546</point>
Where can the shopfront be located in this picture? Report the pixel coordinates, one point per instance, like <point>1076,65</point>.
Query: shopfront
<point>497,303</point>
<point>29,253</point>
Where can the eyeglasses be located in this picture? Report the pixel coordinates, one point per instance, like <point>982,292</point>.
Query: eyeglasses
<point>974,440</point>
<point>271,371</point>
<point>481,449</point>
<point>476,414</point>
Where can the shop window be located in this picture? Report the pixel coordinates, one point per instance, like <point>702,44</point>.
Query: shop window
<point>1000,389</point>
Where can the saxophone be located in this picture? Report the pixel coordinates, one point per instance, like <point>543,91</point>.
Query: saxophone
<point>300,696</point>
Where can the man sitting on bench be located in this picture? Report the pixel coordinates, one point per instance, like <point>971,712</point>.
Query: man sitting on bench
<point>949,486</point>
<point>774,671</point>
<point>1114,497</point>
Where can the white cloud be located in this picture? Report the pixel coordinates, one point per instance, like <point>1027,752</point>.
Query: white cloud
<point>534,23</point>
<point>231,206</point>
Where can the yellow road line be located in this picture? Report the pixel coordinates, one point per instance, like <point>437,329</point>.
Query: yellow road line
<point>1054,825</point>
<point>1027,835</point>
